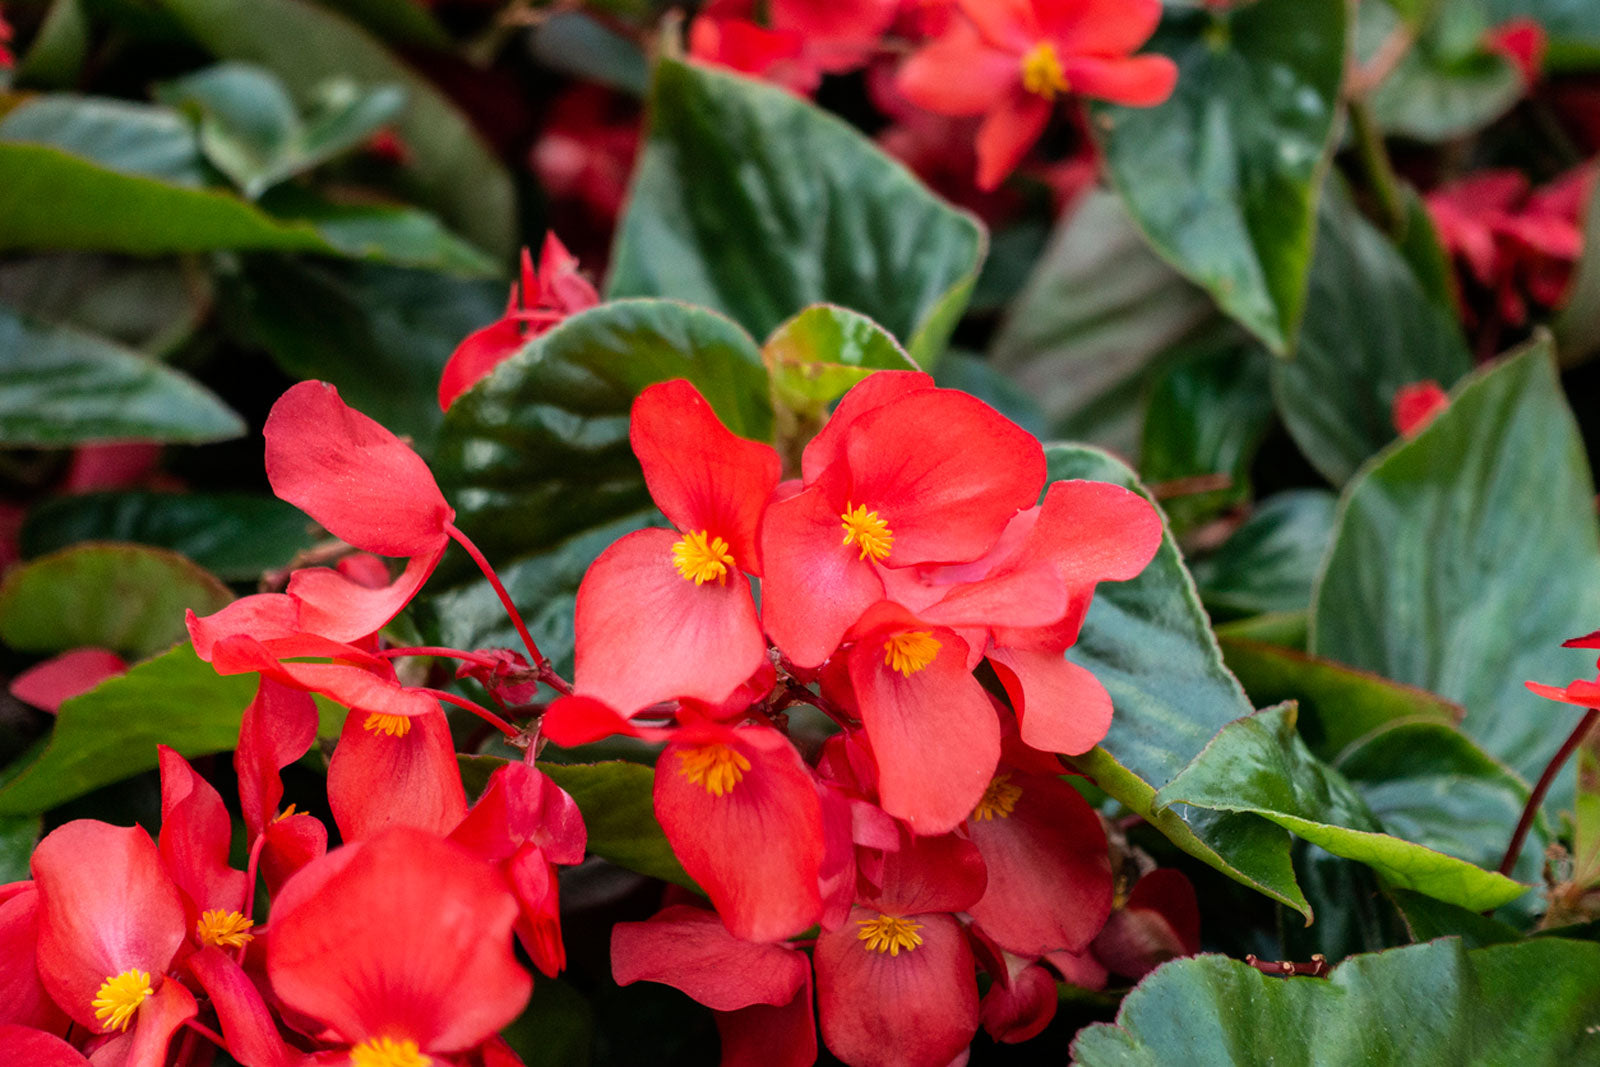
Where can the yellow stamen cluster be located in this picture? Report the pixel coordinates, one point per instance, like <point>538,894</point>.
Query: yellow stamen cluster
<point>1042,74</point>
<point>388,725</point>
<point>889,933</point>
<point>716,767</point>
<point>119,998</point>
<point>387,1052</point>
<point>287,812</point>
<point>999,800</point>
<point>868,532</point>
<point>227,929</point>
<point>911,651</point>
<point>701,558</point>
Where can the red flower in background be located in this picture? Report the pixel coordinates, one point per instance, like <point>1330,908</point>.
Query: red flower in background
<point>1009,60</point>
<point>1524,42</point>
<point>583,159</point>
<point>802,40</point>
<point>6,58</point>
<point>1416,405</point>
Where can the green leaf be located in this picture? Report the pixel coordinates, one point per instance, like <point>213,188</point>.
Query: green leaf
<point>60,387</point>
<point>1432,1005</point>
<point>18,835</point>
<point>404,23</point>
<point>538,451</point>
<point>1270,562</point>
<point>755,203</point>
<point>574,43</point>
<point>127,598</point>
<point>1092,323</point>
<point>1428,919</point>
<point>1259,765</point>
<point>1223,177</point>
<point>153,305</point>
<point>1148,642</point>
<point>1339,705</point>
<point>1586,820</point>
<point>450,170</point>
<point>119,135</point>
<point>235,536</point>
<point>1447,85</point>
<point>1436,578</point>
<point>55,58</point>
<point>111,732</point>
<point>1577,327</point>
<point>1370,328</point>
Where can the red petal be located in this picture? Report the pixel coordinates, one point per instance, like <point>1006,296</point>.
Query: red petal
<point>352,686</point>
<point>106,905</point>
<point>1099,27</point>
<point>533,880</point>
<point>645,633</point>
<point>1582,693</point>
<point>22,1044</point>
<point>278,728</point>
<point>247,1025</point>
<point>574,721</point>
<point>1079,969</point>
<point>349,946</point>
<point>561,284</point>
<point>159,1018</point>
<point>959,74</point>
<point>264,617</point>
<point>337,608</point>
<point>928,874</point>
<point>289,844</point>
<point>763,1036</point>
<point>50,684</point>
<point>478,355</point>
<point>1010,24</point>
<point>1160,922</point>
<point>762,894</point>
<point>1591,640</point>
<point>691,950</point>
<point>702,476</point>
<point>1007,134</point>
<point>1049,870</point>
<point>878,1010</point>
<point>1060,706</point>
<point>353,476</point>
<point>870,393</point>
<point>518,806</point>
<point>23,999</point>
<point>376,781</point>
<point>1021,1011</point>
<point>1416,405</point>
<point>196,833</point>
<point>1137,81</point>
<point>1093,532</point>
<point>815,587</point>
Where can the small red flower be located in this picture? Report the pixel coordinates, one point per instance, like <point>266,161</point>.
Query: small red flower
<point>52,683</point>
<point>1524,42</point>
<point>1416,405</point>
<point>6,58</point>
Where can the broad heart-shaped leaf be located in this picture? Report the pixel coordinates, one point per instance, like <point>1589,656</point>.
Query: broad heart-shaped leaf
<point>1148,642</point>
<point>1259,765</point>
<point>127,598</point>
<point>1447,84</point>
<point>1223,177</point>
<point>1091,326</point>
<point>1436,577</point>
<point>1339,705</point>
<point>1270,562</point>
<point>235,536</point>
<point>1369,329</point>
<point>1573,27</point>
<point>450,170</point>
<point>618,811</point>
<point>751,201</point>
<point>111,732</point>
<point>1432,1005</point>
<point>61,387</point>
<point>538,451</point>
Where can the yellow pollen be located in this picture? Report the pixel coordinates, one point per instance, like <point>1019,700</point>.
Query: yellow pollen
<point>701,558</point>
<point>889,933</point>
<point>119,998</point>
<point>1041,71</point>
<point>715,767</point>
<point>999,800</point>
<point>387,1052</point>
<point>863,528</point>
<point>388,725</point>
<point>227,929</point>
<point>911,651</point>
<point>286,812</point>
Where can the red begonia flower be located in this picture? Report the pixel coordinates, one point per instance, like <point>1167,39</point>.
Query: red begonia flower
<point>1079,968</point>
<point>355,678</point>
<point>1019,1008</point>
<point>278,728</point>
<point>24,1044</point>
<point>391,771</point>
<point>538,301</point>
<point>660,616</point>
<point>111,921</point>
<point>1160,922</point>
<point>348,949</point>
<point>1416,405</point>
<point>247,1025</point>
<point>741,44</point>
<point>1524,42</point>
<point>585,154</point>
<point>6,58</point>
<point>114,465</point>
<point>1008,60</point>
<point>23,999</point>
<point>761,992</point>
<point>52,683</point>
<point>1049,884</point>
<point>196,833</point>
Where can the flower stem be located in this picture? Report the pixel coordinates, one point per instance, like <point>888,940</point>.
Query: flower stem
<point>535,657</point>
<point>206,1032</point>
<point>442,653</point>
<point>1380,171</point>
<point>1536,797</point>
<point>481,712</point>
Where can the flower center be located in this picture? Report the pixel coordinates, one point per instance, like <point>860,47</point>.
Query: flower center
<point>1041,71</point>
<point>911,651</point>
<point>999,800</point>
<point>701,558</point>
<point>289,811</point>
<point>387,1052</point>
<point>871,534</point>
<point>228,929</point>
<point>388,725</point>
<point>716,767</point>
<point>889,933</point>
<point>119,998</point>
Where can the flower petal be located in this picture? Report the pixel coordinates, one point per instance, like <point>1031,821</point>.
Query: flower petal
<point>196,834</point>
<point>1060,706</point>
<point>814,587</point>
<point>377,780</point>
<point>691,950</point>
<point>1018,1012</point>
<point>478,355</point>
<point>23,1044</point>
<point>333,606</point>
<point>50,684</point>
<point>870,393</point>
<point>247,1025</point>
<point>278,728</point>
<point>521,805</point>
<point>23,999</point>
<point>1135,81</point>
<point>1007,134</point>
<point>959,74</point>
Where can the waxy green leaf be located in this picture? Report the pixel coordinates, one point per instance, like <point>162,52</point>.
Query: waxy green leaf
<point>1447,84</point>
<point>1272,559</point>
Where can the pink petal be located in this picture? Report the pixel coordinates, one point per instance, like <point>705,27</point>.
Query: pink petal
<point>870,393</point>
<point>959,74</point>
<point>691,950</point>
<point>25,1045</point>
<point>50,684</point>
<point>376,781</point>
<point>23,999</point>
<point>278,728</point>
<point>1021,1011</point>
<point>159,1018</point>
<point>763,1036</point>
<point>287,845</point>
<point>1098,27</point>
<point>518,806</point>
<point>263,617</point>
<point>1008,24</point>
<point>1137,81</point>
<point>1060,706</point>
<point>247,1025</point>
<point>337,608</point>
<point>925,874</point>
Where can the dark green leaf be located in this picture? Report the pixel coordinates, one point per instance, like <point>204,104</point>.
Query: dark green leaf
<point>1577,328</point>
<point>753,202</point>
<point>54,59</point>
<point>576,44</point>
<point>1433,1005</point>
<point>60,387</point>
<point>149,304</point>
<point>118,135</point>
<point>1437,579</point>
<point>1148,642</point>
<point>236,536</point>
<point>1270,562</point>
<point>1370,329</point>
<point>1428,919</point>
<point>127,598</point>
<point>1447,85</point>
<point>18,835</point>
<point>1223,177</point>
<point>1586,817</point>
<point>556,1029</point>
<point>1093,322</point>
<point>401,22</point>
<point>111,732</point>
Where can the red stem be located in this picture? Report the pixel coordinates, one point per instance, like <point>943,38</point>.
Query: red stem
<point>206,1032</point>
<point>535,657</point>
<point>1536,797</point>
<point>443,653</point>
<point>481,712</point>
